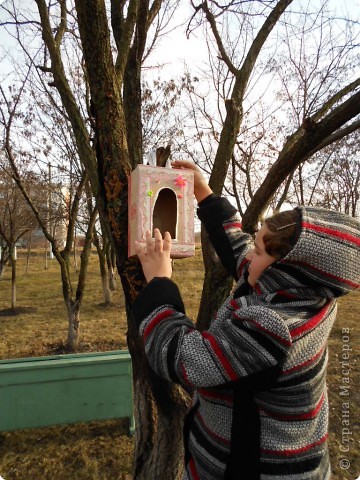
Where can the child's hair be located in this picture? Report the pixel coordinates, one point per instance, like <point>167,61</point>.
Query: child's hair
<point>283,234</point>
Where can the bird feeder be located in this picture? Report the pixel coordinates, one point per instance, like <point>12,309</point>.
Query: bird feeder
<point>162,198</point>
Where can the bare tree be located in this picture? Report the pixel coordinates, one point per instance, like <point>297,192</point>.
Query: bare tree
<point>44,211</point>
<point>16,220</point>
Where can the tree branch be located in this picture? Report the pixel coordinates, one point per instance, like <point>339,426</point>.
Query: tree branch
<point>253,53</point>
<point>74,213</point>
<point>63,22</point>
<point>224,56</point>
<point>298,151</point>
<point>234,112</point>
<point>334,99</point>
<point>123,32</point>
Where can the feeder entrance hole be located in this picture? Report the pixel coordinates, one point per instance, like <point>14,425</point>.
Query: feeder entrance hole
<point>165,212</point>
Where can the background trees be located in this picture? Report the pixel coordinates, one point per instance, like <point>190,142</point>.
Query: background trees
<point>16,221</point>
<point>52,204</point>
<point>87,60</point>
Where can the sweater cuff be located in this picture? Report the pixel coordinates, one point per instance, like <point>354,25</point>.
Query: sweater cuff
<point>160,291</point>
<point>213,211</point>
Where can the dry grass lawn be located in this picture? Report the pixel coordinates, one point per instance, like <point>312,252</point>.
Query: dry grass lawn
<point>102,450</point>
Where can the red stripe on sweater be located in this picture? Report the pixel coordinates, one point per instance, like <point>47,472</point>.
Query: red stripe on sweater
<point>326,274</point>
<point>333,233</point>
<point>185,375</point>
<point>282,340</point>
<point>193,471</point>
<point>304,364</point>
<point>232,225</point>
<point>209,431</point>
<point>297,416</point>
<point>312,323</point>
<point>295,451</point>
<point>286,294</point>
<point>234,304</point>
<point>241,266</point>
<point>220,355</point>
<point>156,320</point>
<point>215,395</point>
<point>257,289</point>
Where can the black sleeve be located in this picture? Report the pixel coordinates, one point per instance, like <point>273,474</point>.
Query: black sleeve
<point>214,212</point>
<point>160,291</point>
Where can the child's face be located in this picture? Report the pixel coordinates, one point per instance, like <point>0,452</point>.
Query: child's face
<point>259,259</point>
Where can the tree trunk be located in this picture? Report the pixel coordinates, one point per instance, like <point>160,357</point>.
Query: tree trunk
<point>3,262</point>
<point>13,281</point>
<point>46,254</point>
<point>75,254</point>
<point>159,409</point>
<point>111,265</point>
<point>158,441</point>
<point>159,405</point>
<point>73,311</point>
<point>105,286</point>
<point>103,270</point>
<point>216,287</point>
<point>4,259</point>
<point>28,254</point>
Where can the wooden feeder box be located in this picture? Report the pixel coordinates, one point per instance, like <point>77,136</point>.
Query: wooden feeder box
<point>162,198</point>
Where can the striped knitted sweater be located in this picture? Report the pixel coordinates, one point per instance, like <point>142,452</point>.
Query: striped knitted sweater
<point>260,408</point>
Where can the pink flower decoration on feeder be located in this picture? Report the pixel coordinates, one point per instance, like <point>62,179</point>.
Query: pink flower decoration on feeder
<point>180,195</point>
<point>180,181</point>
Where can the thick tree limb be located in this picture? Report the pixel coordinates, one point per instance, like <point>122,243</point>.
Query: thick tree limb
<point>234,105</point>
<point>300,150</point>
<point>123,32</point>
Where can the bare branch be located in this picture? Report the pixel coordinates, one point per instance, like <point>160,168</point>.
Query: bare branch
<point>210,18</point>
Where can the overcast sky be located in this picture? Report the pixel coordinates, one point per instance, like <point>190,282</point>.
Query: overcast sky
<point>175,49</point>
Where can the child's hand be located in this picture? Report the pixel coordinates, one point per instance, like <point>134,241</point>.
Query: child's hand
<point>201,187</point>
<point>155,256</point>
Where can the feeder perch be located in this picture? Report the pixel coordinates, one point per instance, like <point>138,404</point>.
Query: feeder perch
<point>162,198</point>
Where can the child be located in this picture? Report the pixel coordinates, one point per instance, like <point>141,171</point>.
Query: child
<point>260,408</point>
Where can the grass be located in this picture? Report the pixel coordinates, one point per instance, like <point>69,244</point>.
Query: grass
<point>102,450</point>
<point>42,321</point>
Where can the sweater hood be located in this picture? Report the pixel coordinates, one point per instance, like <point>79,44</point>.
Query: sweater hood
<point>325,257</point>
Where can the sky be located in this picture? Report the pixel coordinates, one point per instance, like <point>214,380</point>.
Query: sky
<point>175,50</point>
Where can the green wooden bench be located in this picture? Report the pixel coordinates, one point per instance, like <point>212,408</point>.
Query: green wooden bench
<point>61,389</point>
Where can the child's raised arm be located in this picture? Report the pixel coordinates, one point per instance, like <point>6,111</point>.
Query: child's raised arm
<point>201,187</point>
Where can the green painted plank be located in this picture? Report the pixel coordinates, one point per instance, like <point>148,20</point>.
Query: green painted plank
<point>44,391</point>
